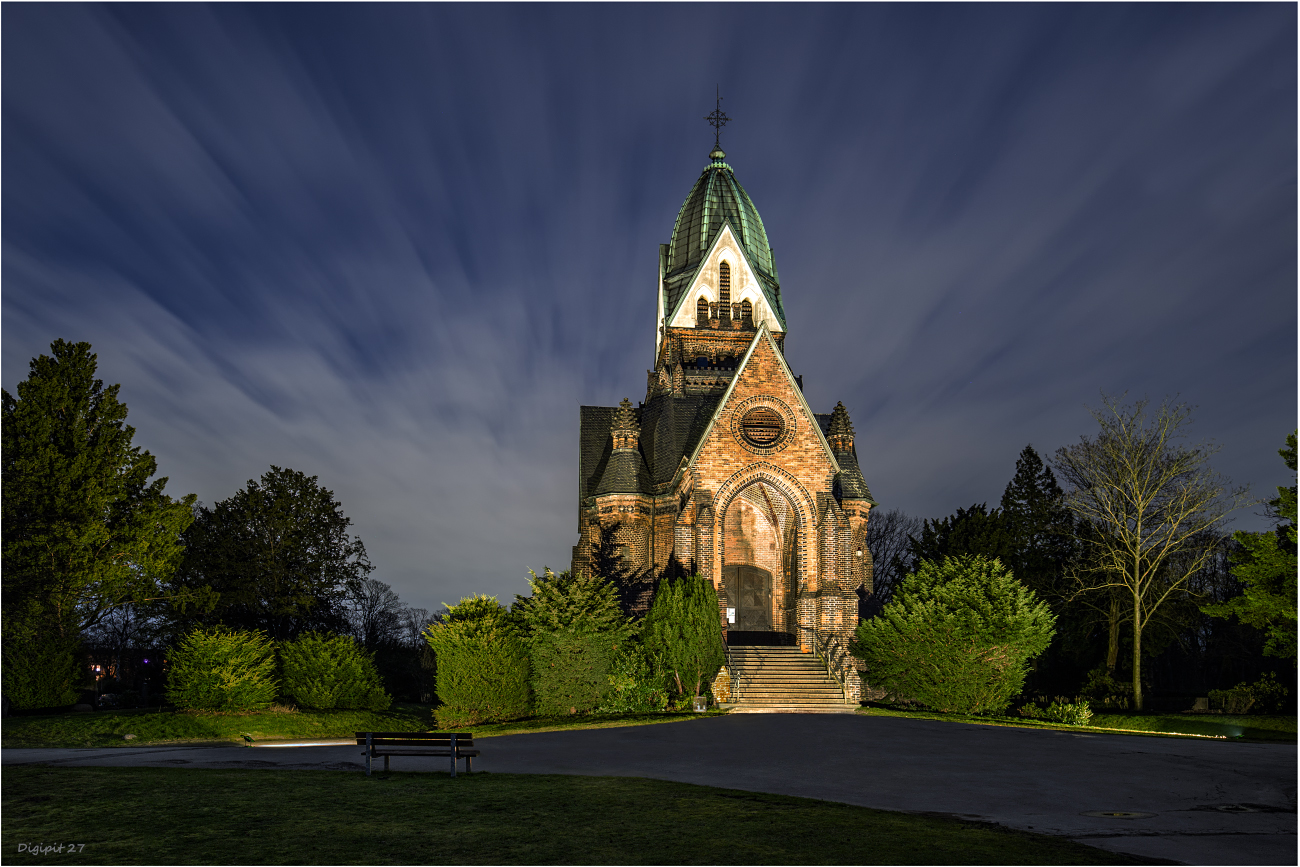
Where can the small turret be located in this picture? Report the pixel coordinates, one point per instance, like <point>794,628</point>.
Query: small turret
<point>840,434</point>
<point>625,430</point>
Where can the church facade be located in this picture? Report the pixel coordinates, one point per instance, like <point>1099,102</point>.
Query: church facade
<point>723,469</point>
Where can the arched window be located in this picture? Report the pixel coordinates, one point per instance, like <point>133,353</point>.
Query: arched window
<point>724,284</point>
<point>746,311</point>
<point>702,310</point>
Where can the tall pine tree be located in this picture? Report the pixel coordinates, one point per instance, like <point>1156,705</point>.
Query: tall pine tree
<point>85,527</point>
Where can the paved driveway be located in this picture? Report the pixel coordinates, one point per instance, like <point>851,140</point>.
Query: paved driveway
<point>1212,802</point>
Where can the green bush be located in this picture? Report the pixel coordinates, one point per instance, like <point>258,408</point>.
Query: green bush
<point>571,671</point>
<point>684,629</point>
<point>957,636</point>
<point>220,669</point>
<point>325,672</point>
<point>1265,695</point>
<point>636,681</point>
<point>1069,714</point>
<point>572,625</point>
<point>482,664</point>
<point>40,671</point>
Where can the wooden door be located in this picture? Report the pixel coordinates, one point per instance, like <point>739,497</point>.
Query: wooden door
<point>749,588</point>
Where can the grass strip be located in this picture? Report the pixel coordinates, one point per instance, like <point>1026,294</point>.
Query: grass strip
<point>1270,729</point>
<point>109,728</point>
<point>240,816</point>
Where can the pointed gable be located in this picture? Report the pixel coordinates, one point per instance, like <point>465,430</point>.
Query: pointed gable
<point>747,284</point>
<point>763,413</point>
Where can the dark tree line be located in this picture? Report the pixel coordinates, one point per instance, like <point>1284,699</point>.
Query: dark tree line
<point>1209,630</point>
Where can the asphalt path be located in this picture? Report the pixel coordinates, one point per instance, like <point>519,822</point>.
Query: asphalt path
<point>1202,801</point>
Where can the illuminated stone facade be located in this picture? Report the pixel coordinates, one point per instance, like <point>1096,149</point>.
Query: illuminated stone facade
<point>723,469</point>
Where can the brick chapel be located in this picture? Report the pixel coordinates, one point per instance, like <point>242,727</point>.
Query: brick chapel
<point>723,469</point>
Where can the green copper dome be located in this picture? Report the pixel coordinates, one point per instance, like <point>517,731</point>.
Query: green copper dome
<point>717,199</point>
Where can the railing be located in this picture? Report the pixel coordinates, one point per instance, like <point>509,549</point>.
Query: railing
<point>833,651</point>
<point>731,672</point>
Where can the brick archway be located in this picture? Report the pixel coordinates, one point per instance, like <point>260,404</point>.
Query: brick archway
<point>772,492</point>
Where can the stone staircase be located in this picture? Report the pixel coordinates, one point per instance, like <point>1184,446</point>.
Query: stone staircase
<point>783,680</point>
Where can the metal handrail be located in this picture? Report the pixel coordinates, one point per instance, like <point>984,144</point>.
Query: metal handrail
<point>824,649</point>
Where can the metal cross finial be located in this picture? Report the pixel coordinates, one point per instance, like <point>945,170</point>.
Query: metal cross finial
<point>717,120</point>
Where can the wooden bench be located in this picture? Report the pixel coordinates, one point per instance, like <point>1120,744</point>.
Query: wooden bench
<point>456,745</point>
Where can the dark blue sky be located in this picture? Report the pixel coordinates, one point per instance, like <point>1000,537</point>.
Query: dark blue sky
<point>397,246</point>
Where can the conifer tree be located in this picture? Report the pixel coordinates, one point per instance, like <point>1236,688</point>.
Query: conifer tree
<point>583,602</point>
<point>976,530</point>
<point>684,628</point>
<point>85,529</point>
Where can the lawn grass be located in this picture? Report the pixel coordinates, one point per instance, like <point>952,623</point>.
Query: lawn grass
<point>107,728</point>
<point>191,816</point>
<point>1265,728</point>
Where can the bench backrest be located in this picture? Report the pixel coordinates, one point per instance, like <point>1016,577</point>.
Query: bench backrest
<point>415,739</point>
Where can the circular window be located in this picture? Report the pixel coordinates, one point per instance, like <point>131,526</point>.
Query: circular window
<point>762,427</point>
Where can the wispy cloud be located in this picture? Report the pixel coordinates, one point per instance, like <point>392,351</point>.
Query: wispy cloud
<point>397,246</point>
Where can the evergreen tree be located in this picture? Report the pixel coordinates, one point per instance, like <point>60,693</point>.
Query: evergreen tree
<point>1266,565</point>
<point>957,636</point>
<point>583,602</point>
<point>1040,526</point>
<point>684,629</point>
<point>85,530</point>
<point>976,530</point>
<point>574,626</point>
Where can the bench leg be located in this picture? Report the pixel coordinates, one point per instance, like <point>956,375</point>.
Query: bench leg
<point>469,764</point>
<point>385,764</point>
<point>453,757</point>
<point>367,763</point>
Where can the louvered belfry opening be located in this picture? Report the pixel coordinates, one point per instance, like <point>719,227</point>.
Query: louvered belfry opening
<point>724,291</point>
<point>702,313</point>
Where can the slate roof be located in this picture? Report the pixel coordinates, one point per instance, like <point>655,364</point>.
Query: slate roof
<point>717,199</point>
<point>670,428</point>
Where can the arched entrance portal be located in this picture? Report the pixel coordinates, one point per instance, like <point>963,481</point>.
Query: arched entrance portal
<point>759,548</point>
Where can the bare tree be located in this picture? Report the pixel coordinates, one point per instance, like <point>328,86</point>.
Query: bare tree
<point>889,539</point>
<point>375,613</point>
<point>1153,501</point>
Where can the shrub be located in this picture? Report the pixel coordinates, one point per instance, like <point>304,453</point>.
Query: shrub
<point>39,671</point>
<point>324,672</point>
<point>956,637</point>
<point>684,630</point>
<point>1069,714</point>
<point>220,669</point>
<point>571,671</point>
<point>482,662</point>
<point>636,680</point>
<point>568,601</point>
<point>1265,695</point>
<point>572,625</point>
<point>1031,711</point>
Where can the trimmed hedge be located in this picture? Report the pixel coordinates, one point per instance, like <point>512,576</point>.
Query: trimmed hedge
<point>324,672</point>
<point>571,671</point>
<point>482,665</point>
<point>221,669</point>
